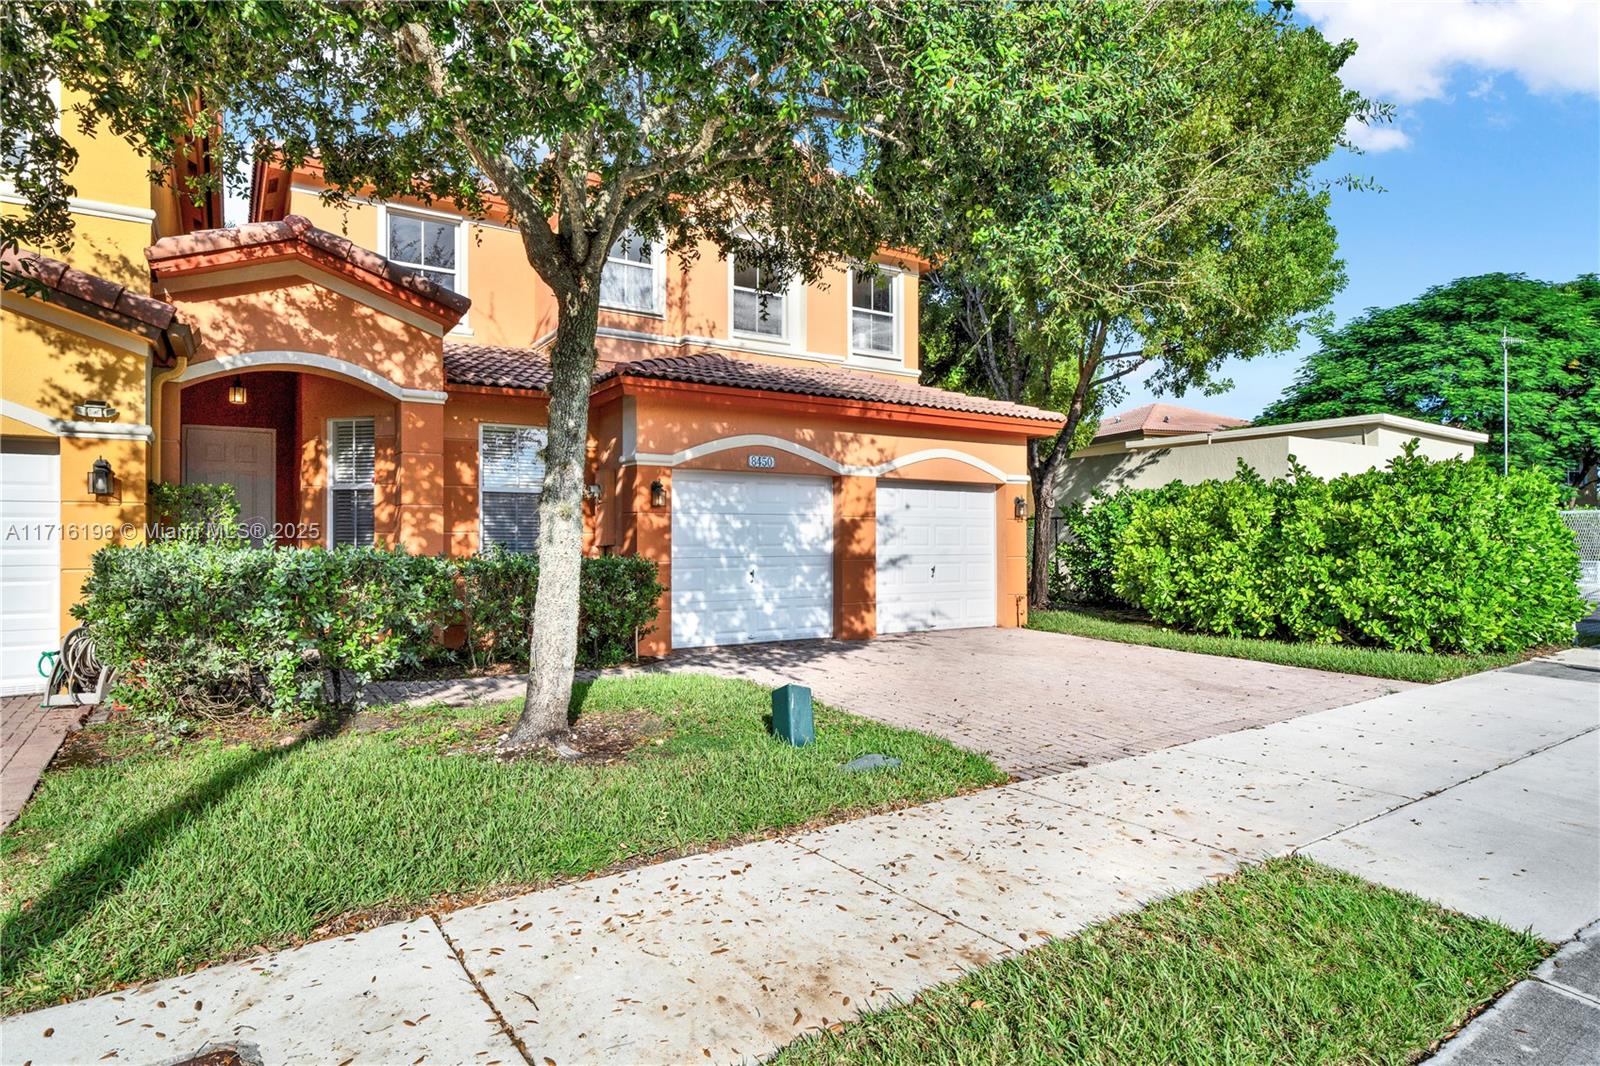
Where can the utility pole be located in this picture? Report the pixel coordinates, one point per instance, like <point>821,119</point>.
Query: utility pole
<point>1506,341</point>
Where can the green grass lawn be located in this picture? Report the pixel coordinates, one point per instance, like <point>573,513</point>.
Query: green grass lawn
<point>1339,658</point>
<point>1286,963</point>
<point>155,862</point>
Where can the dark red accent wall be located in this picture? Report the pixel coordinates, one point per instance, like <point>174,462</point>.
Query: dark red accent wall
<point>273,404</point>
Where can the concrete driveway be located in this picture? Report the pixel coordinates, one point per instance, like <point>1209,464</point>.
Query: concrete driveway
<point>1040,703</point>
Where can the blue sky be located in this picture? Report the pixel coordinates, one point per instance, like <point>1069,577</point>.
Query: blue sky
<point>1492,163</point>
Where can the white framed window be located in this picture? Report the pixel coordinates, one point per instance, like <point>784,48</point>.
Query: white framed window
<point>428,245</point>
<point>351,455</point>
<point>510,479</point>
<point>760,307</point>
<point>874,313</point>
<point>631,278</point>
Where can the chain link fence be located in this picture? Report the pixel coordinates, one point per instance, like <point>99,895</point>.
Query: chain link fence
<point>1585,526</point>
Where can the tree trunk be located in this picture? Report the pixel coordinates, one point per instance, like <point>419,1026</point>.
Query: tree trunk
<point>1046,483</point>
<point>553,647</point>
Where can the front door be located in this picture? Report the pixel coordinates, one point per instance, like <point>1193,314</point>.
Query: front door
<point>243,458</point>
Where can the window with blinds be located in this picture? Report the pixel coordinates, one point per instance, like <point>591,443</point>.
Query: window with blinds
<point>350,485</point>
<point>510,476</point>
<point>628,279</point>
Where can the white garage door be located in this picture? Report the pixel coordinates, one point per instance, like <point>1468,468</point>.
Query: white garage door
<point>752,558</point>
<point>936,559</point>
<point>30,560</point>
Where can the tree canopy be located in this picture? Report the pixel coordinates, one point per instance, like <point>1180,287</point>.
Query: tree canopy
<point>1438,358</point>
<point>1140,196</point>
<point>762,128</point>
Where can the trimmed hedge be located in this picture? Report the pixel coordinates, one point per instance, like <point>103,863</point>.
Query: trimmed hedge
<point>194,628</point>
<point>1422,556</point>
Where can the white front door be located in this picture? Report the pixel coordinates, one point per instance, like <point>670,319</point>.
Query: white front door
<point>936,556</point>
<point>243,458</point>
<point>30,560</point>
<point>752,558</point>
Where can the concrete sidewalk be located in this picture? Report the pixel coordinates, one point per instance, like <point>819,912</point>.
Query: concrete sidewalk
<point>729,955</point>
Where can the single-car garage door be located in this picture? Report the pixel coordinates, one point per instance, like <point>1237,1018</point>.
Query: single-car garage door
<point>752,558</point>
<point>30,560</point>
<point>936,556</point>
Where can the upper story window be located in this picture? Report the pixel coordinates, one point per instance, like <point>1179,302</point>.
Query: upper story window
<point>428,245</point>
<point>759,305</point>
<point>873,313</point>
<point>351,457</point>
<point>629,278</point>
<point>510,479</point>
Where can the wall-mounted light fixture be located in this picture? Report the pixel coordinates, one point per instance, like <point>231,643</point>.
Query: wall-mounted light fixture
<point>658,493</point>
<point>100,479</point>
<point>96,410</point>
<point>237,394</point>
<point>1020,507</point>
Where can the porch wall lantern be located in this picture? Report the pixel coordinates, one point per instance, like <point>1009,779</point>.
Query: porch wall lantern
<point>238,395</point>
<point>1020,507</point>
<point>100,479</point>
<point>658,493</point>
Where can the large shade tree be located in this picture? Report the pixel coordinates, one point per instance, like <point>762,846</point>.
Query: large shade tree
<point>1140,201</point>
<point>683,122</point>
<point>1439,358</point>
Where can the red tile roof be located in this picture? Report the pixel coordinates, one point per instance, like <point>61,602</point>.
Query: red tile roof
<point>297,230</point>
<point>527,368</point>
<point>1163,420</point>
<point>98,292</point>
<point>495,367</point>
<point>708,368</point>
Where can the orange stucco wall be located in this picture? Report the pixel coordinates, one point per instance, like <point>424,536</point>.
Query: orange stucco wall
<point>511,305</point>
<point>304,314</point>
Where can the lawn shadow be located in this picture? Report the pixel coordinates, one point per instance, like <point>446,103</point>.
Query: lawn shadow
<point>75,893</point>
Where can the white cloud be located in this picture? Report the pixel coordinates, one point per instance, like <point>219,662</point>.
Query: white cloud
<point>1409,50</point>
<point>1375,138</point>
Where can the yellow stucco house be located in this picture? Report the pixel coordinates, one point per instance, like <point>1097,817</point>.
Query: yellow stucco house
<point>374,375</point>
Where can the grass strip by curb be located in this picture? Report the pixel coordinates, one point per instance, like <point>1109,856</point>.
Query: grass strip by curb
<point>1337,658</point>
<point>1289,962</point>
<point>157,862</point>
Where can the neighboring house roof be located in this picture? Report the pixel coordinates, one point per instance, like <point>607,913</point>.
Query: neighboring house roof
<point>102,299</point>
<point>1324,426</point>
<point>527,368</point>
<point>295,237</point>
<point>1162,420</point>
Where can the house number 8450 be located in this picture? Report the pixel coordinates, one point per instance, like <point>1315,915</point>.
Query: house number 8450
<point>762,462</point>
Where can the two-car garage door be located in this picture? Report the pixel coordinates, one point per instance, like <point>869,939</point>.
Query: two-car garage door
<point>752,557</point>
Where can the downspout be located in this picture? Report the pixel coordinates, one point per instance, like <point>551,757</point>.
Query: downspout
<point>181,342</point>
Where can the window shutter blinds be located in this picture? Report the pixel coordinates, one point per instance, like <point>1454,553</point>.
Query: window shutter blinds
<point>351,493</point>
<point>511,475</point>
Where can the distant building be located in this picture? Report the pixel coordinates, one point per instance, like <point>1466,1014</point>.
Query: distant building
<point>1158,443</point>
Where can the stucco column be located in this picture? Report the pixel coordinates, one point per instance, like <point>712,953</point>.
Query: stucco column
<point>855,557</point>
<point>1011,555</point>
<point>646,531</point>
<point>420,461</point>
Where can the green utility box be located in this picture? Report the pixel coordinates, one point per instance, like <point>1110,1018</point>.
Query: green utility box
<point>791,715</point>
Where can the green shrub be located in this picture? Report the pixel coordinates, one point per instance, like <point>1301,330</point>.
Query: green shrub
<point>1421,556</point>
<point>206,629</point>
<point>616,603</point>
<point>1085,559</point>
<point>199,513</point>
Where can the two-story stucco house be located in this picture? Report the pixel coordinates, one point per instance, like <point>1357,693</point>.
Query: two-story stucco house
<point>373,375</point>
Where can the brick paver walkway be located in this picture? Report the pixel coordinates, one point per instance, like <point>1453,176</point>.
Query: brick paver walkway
<point>29,739</point>
<point>1036,703</point>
